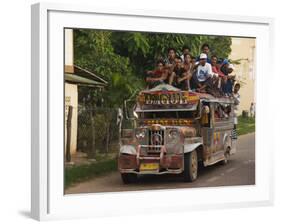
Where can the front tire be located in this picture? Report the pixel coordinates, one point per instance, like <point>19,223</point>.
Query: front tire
<point>129,178</point>
<point>190,166</point>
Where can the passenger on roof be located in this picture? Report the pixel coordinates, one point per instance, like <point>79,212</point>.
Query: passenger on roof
<point>217,74</point>
<point>185,50</point>
<point>203,74</point>
<point>157,76</point>
<point>193,60</point>
<point>179,76</point>
<point>216,67</point>
<point>227,69</point>
<point>206,50</point>
<point>170,62</point>
<point>188,67</point>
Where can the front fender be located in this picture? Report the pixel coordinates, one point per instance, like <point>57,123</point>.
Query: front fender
<point>192,143</point>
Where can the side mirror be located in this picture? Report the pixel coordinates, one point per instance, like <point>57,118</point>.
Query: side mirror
<point>129,108</point>
<point>119,118</point>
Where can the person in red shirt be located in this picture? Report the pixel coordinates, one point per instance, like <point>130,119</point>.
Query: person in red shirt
<point>218,75</point>
<point>158,75</point>
<point>188,67</point>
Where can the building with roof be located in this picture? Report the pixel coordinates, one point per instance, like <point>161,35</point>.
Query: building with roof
<point>243,51</point>
<point>74,78</point>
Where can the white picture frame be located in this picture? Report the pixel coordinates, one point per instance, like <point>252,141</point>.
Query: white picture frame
<point>48,200</point>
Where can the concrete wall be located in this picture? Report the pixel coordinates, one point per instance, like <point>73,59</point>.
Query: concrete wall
<point>71,99</point>
<point>68,51</point>
<point>244,48</point>
<point>71,91</point>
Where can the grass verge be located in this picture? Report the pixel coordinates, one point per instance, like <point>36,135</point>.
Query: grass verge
<point>245,125</point>
<point>85,172</point>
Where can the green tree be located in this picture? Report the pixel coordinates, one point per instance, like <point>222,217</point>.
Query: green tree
<point>122,58</point>
<point>93,50</point>
<point>143,49</point>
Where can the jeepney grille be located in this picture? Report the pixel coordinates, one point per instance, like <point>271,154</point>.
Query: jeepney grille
<point>155,138</point>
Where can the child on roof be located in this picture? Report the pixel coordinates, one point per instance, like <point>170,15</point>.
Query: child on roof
<point>157,76</point>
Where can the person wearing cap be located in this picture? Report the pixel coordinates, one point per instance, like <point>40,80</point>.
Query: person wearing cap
<point>203,73</point>
<point>227,69</point>
<point>205,48</point>
<point>231,78</point>
<point>230,68</point>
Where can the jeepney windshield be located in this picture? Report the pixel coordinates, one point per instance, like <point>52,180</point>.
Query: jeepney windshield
<point>167,114</point>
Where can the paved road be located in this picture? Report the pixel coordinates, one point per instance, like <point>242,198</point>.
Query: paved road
<point>239,171</point>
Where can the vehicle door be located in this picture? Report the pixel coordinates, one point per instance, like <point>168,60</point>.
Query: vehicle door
<point>223,125</point>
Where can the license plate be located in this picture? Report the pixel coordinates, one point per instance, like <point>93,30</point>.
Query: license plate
<point>149,166</point>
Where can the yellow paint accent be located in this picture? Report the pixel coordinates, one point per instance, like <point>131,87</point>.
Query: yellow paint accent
<point>191,98</point>
<point>216,137</point>
<point>180,122</point>
<point>149,166</point>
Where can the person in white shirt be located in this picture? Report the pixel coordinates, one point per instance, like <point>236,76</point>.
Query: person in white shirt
<point>202,76</point>
<point>236,97</point>
<point>252,110</point>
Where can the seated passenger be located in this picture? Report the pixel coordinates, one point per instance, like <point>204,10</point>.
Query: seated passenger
<point>203,74</point>
<point>227,69</point>
<point>157,76</point>
<point>185,50</point>
<point>216,66</point>
<point>193,60</point>
<point>217,74</point>
<point>170,62</point>
<point>188,67</point>
<point>205,49</point>
<point>179,76</point>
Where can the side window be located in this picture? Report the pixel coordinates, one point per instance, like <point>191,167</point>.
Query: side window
<point>205,115</point>
<point>222,112</point>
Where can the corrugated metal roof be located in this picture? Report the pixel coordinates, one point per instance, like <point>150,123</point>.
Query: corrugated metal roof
<point>88,74</point>
<point>72,78</point>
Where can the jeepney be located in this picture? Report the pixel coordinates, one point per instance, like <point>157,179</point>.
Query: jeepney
<point>174,131</point>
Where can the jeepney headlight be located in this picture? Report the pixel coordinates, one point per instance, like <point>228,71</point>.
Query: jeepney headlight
<point>140,133</point>
<point>135,115</point>
<point>173,136</point>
